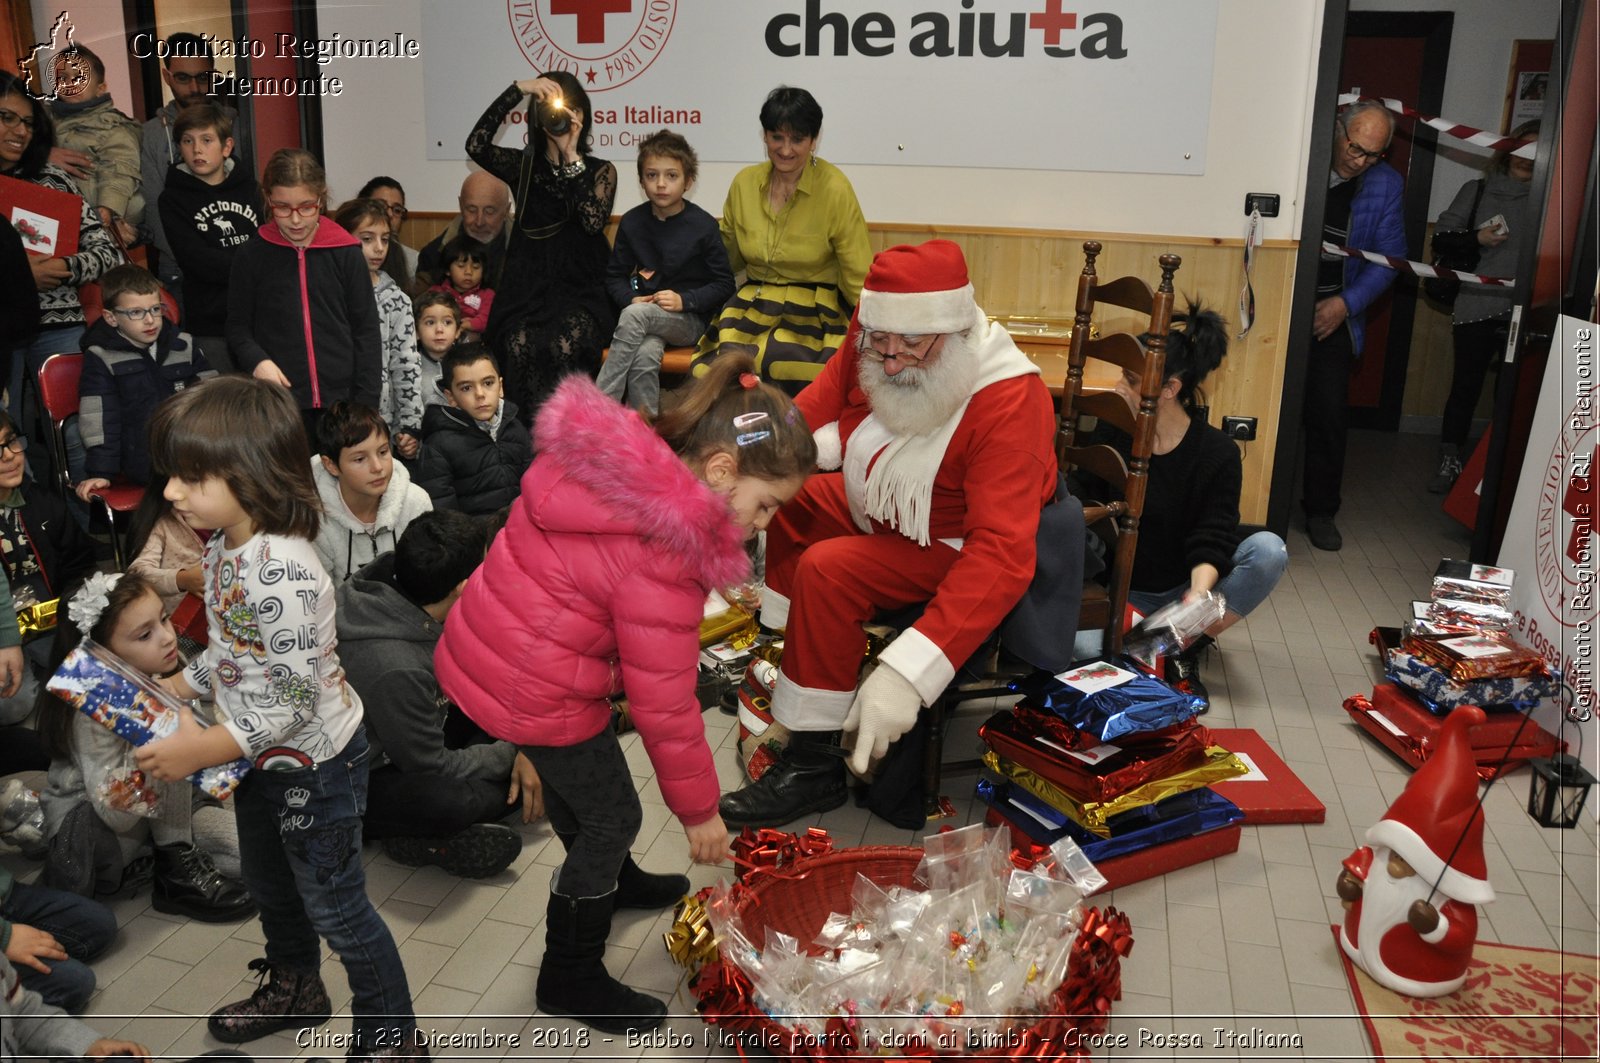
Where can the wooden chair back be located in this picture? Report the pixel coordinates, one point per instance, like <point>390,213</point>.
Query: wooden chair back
<point>1116,521</point>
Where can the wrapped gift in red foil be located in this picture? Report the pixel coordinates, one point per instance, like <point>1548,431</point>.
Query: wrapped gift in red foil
<point>1489,655</point>
<point>1097,772</point>
<point>1399,721</point>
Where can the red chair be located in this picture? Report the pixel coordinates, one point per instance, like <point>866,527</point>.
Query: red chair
<point>58,394</point>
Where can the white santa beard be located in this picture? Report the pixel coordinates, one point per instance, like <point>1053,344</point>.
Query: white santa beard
<point>918,401</point>
<point>1385,903</point>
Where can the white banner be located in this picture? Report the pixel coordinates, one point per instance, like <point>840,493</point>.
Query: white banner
<point>1112,85</point>
<point>1550,538</point>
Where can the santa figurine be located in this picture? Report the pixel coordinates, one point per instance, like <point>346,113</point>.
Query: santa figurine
<point>1410,894</point>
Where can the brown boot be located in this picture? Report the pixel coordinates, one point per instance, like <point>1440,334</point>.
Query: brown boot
<point>284,1000</point>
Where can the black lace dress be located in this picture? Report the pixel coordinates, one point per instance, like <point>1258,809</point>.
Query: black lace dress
<point>552,316</point>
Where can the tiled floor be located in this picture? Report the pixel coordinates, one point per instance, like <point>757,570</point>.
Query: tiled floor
<point>1237,943</point>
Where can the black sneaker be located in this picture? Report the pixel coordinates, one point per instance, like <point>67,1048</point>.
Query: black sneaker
<point>1183,675</point>
<point>1324,533</point>
<point>481,850</point>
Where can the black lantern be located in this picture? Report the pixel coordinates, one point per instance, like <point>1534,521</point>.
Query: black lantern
<point>1557,791</point>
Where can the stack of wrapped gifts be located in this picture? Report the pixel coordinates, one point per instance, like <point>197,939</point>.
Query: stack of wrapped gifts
<point>1113,758</point>
<point>1457,652</point>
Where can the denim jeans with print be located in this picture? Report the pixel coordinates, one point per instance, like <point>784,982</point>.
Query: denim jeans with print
<point>300,857</point>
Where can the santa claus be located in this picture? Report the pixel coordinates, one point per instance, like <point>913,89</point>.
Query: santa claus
<point>941,431</point>
<point>1410,894</point>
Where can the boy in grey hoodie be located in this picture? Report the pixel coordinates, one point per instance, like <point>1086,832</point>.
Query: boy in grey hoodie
<point>433,797</point>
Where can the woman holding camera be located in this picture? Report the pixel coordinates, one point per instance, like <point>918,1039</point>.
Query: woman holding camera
<point>794,226</point>
<point>1490,214</point>
<point>552,316</point>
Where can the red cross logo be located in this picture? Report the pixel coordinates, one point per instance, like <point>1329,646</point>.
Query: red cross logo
<point>1052,20</point>
<point>1579,504</point>
<point>592,16</point>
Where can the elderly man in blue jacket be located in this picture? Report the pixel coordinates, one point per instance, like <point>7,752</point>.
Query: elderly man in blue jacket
<point>1363,211</point>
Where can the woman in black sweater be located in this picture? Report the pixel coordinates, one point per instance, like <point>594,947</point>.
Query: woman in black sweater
<point>1189,541</point>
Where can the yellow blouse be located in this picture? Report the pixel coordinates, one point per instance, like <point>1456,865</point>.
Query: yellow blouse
<point>819,237</point>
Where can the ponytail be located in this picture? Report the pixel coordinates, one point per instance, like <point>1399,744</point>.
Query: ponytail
<point>730,410</point>
<point>1196,345</point>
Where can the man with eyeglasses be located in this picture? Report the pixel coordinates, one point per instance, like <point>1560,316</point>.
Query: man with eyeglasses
<point>485,203</point>
<point>189,70</point>
<point>1363,211</point>
<point>941,431</point>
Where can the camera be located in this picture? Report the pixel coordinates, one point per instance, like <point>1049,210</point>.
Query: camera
<point>552,115</point>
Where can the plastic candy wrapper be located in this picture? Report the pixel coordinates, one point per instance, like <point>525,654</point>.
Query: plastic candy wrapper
<point>1110,699</point>
<point>22,819</point>
<point>1219,765</point>
<point>1440,693</point>
<point>1174,628</point>
<point>970,856</point>
<point>105,688</point>
<point>126,789</point>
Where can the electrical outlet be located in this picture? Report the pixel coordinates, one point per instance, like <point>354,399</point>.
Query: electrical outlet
<point>1241,428</point>
<point>1266,202</point>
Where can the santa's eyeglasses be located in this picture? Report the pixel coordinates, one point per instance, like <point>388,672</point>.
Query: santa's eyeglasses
<point>881,346</point>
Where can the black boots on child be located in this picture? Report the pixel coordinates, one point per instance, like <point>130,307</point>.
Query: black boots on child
<point>188,883</point>
<point>573,980</point>
<point>808,777</point>
<point>285,1000</point>
<point>638,888</point>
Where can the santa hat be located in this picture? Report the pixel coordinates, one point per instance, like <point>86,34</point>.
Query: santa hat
<point>1436,825</point>
<point>918,290</point>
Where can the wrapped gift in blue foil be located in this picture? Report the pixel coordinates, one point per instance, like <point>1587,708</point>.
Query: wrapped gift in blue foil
<point>1109,699</point>
<point>1440,693</point>
<point>1182,816</point>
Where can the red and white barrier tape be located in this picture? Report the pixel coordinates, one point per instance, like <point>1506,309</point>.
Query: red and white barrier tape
<point>1421,269</point>
<point>1492,141</point>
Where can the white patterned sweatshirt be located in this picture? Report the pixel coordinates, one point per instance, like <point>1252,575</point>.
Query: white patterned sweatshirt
<point>400,397</point>
<point>272,662</point>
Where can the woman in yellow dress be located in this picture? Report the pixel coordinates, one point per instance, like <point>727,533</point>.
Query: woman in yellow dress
<point>793,225</point>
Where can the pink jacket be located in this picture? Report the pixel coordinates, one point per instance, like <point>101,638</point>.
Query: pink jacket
<point>597,584</point>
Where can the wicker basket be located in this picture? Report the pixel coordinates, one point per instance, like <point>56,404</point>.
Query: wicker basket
<point>797,900</point>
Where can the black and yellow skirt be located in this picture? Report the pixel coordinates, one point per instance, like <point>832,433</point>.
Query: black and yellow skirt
<point>791,328</point>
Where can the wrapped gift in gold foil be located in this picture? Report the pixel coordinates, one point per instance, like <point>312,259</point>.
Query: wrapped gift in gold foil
<point>1219,766</point>
<point>726,625</point>
<point>1487,655</point>
<point>38,618</point>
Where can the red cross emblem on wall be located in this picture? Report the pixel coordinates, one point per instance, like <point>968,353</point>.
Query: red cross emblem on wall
<point>591,16</point>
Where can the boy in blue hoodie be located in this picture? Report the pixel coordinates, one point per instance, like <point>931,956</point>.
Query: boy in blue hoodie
<point>132,359</point>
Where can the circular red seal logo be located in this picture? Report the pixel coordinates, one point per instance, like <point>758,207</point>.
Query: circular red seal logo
<point>603,43</point>
<point>1569,494</point>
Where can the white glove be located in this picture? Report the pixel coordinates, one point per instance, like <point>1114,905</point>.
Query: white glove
<point>885,708</point>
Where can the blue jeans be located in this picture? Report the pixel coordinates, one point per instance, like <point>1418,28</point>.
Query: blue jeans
<point>300,858</point>
<point>82,926</point>
<point>1258,564</point>
<point>632,371</point>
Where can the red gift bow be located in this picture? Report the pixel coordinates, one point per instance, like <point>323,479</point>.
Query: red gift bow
<point>765,851</point>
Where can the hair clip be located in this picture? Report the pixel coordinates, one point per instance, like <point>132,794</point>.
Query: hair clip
<point>745,439</point>
<point>748,380</point>
<point>745,420</point>
<point>792,415</point>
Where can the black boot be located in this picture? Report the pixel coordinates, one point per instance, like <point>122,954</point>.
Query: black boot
<point>188,883</point>
<point>638,888</point>
<point>482,850</point>
<point>1183,671</point>
<point>285,1000</point>
<point>808,777</point>
<point>573,980</point>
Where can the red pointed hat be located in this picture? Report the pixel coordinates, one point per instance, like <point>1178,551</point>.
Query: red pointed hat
<point>1437,818</point>
<point>918,290</point>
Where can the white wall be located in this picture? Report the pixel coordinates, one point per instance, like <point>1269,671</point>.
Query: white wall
<point>1475,81</point>
<point>1265,67</point>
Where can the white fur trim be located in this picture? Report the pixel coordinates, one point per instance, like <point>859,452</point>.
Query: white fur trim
<point>830,451</point>
<point>807,708</point>
<point>1452,883</point>
<point>918,313</point>
<point>774,609</point>
<point>924,665</point>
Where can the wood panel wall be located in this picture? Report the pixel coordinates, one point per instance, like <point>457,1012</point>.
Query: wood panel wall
<point>1033,274</point>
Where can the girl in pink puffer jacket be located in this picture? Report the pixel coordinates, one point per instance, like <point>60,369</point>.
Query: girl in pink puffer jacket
<point>597,583</point>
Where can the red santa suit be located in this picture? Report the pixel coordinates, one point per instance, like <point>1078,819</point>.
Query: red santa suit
<point>948,517</point>
<point>1435,820</point>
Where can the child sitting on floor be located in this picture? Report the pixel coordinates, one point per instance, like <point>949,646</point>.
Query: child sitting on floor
<point>474,451</point>
<point>367,497</point>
